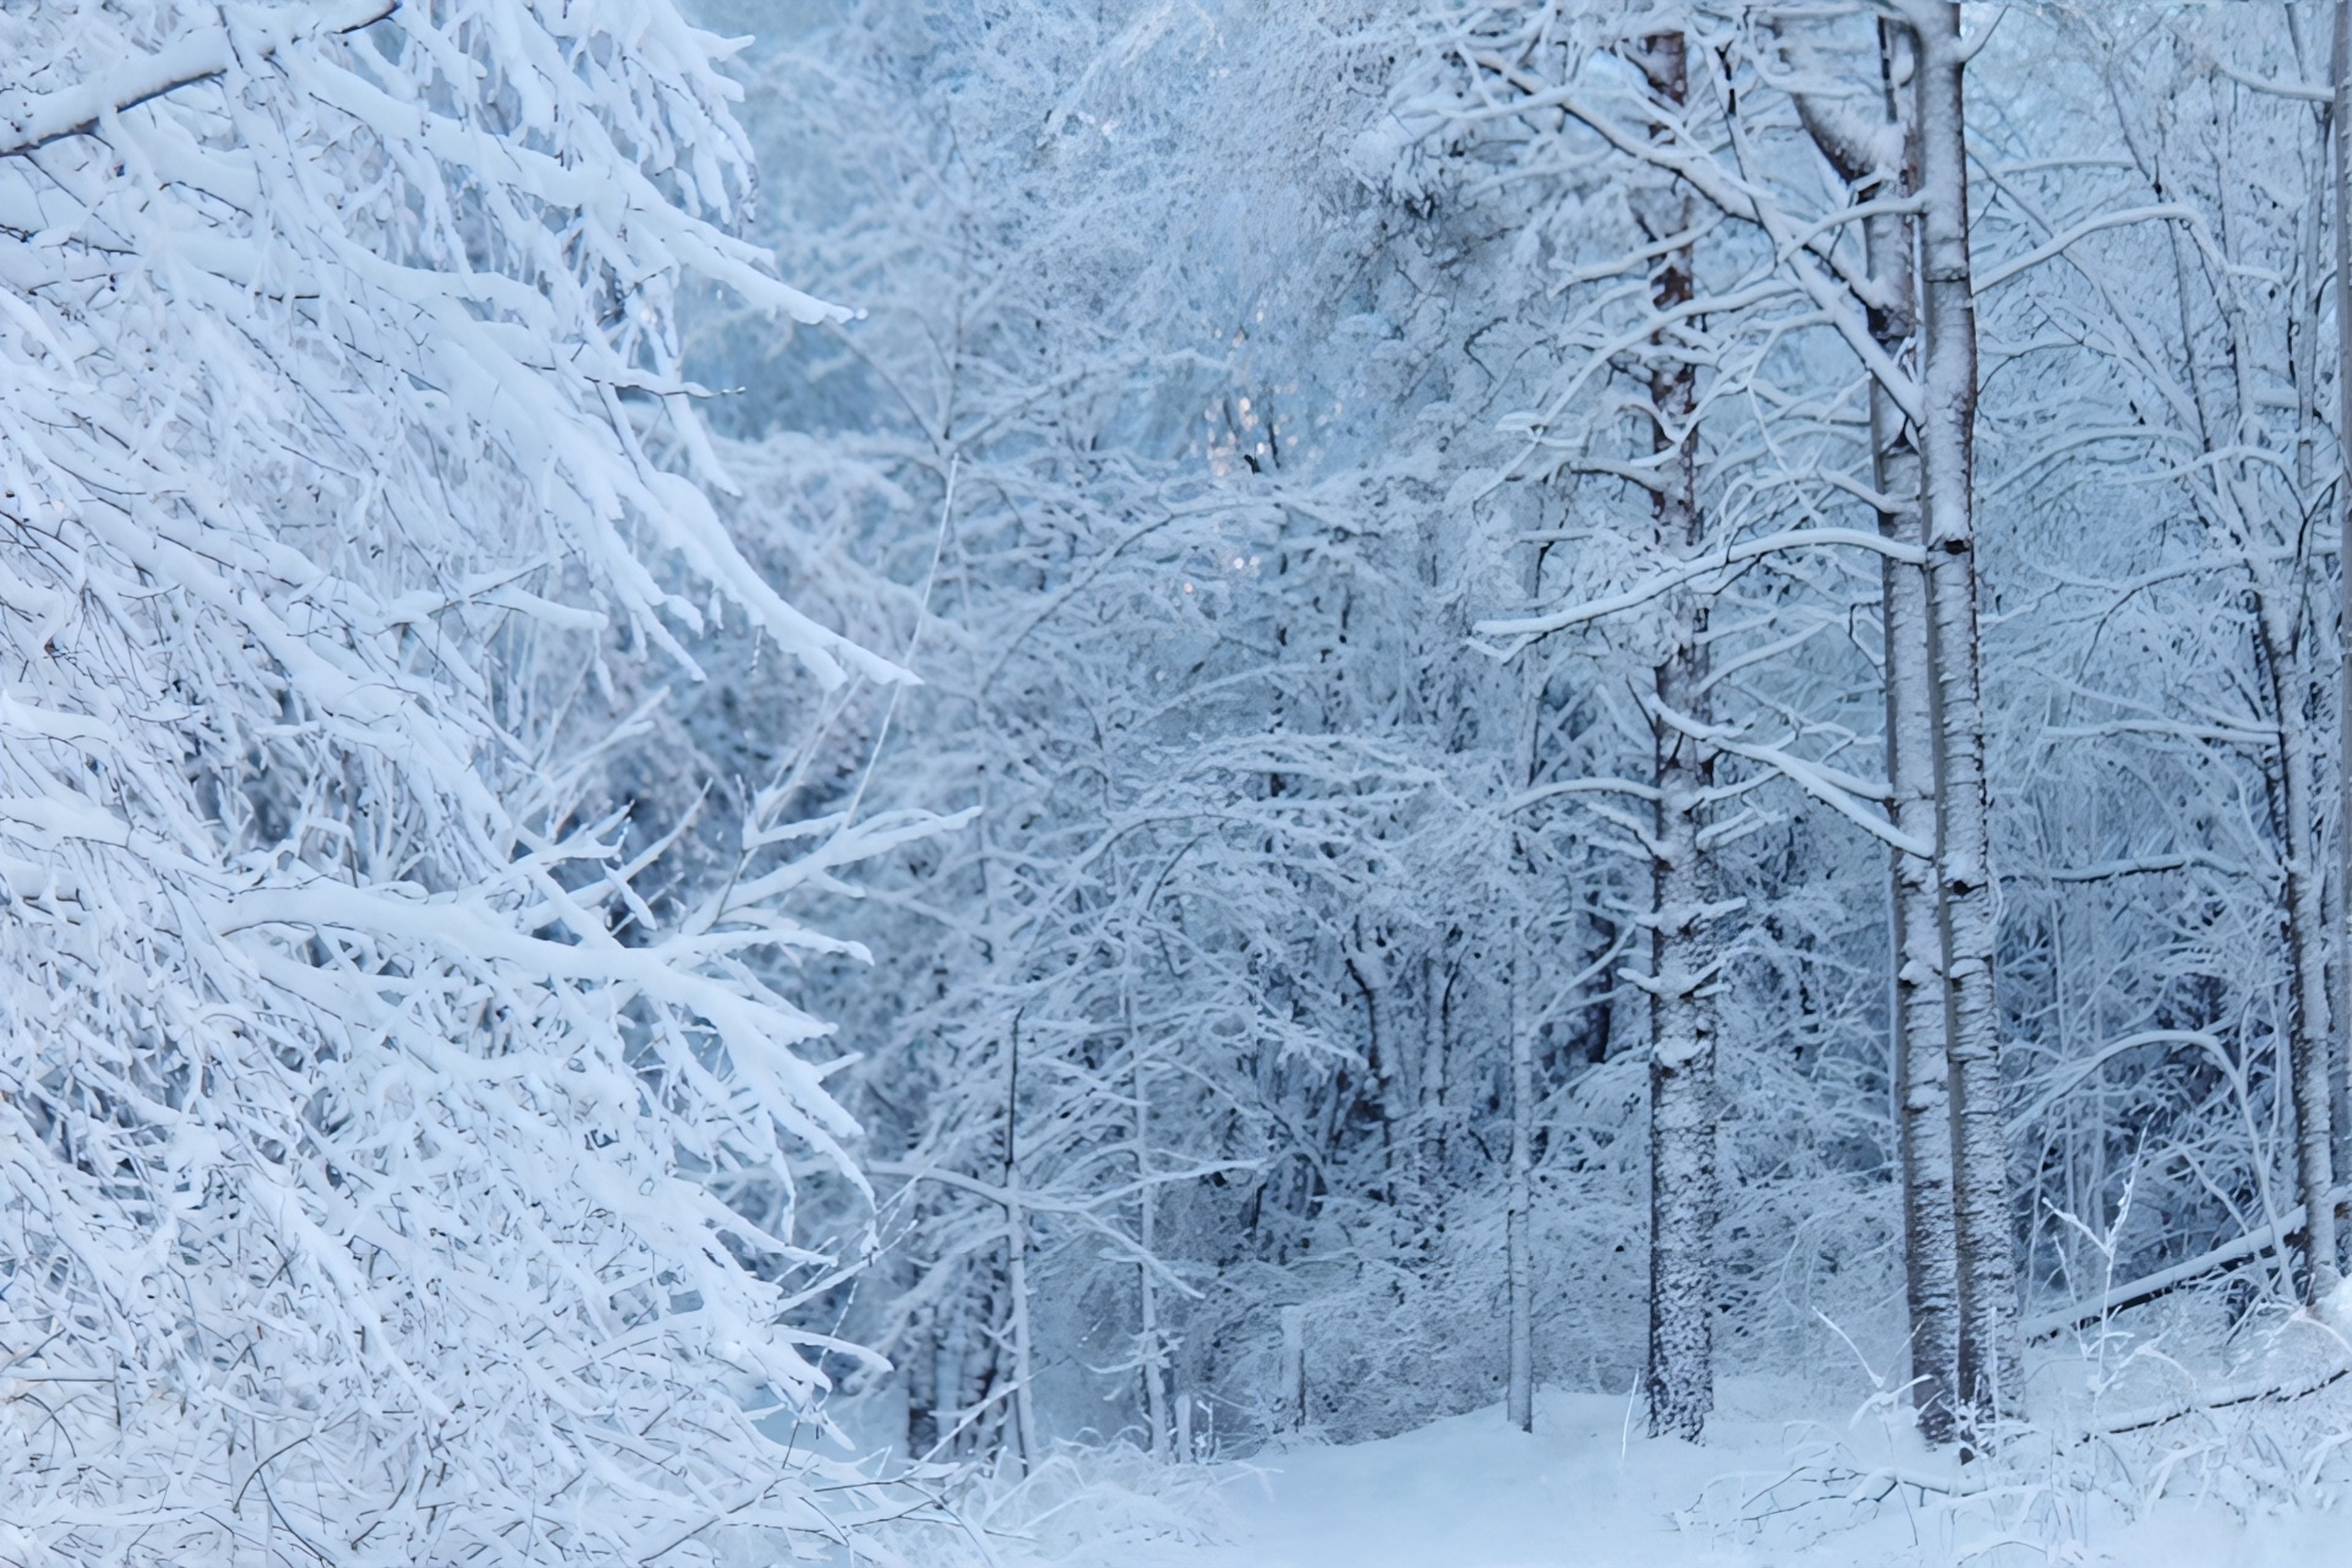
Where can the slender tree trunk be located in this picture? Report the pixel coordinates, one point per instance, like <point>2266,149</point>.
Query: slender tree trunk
<point>1988,1361</point>
<point>1684,957</point>
<point>2305,357</point>
<point>2277,608</point>
<point>1384,1055</point>
<point>1155,1375</point>
<point>1519,1398</point>
<point>1016,1252</point>
<point>1431,1108</point>
<point>924,1404</point>
<point>1921,1072</point>
<point>2340,139</point>
<point>1290,1413</point>
<point>1683,975</point>
<point>1922,1068</point>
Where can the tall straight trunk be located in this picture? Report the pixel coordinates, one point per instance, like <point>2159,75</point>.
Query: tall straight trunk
<point>1520,1358</point>
<point>1922,1066</point>
<point>1923,1128</point>
<point>1430,1160</point>
<point>2289,663</point>
<point>1684,956</point>
<point>1520,1385</point>
<point>1990,1375</point>
<point>1016,1269</point>
<point>1290,1410</point>
<point>1151,1354</point>
<point>2277,608</point>
<point>2305,354</point>
<point>2340,139</point>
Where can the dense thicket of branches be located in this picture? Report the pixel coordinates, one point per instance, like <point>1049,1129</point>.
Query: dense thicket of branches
<point>385,1178</point>
<point>1265,419</point>
<point>1611,694</point>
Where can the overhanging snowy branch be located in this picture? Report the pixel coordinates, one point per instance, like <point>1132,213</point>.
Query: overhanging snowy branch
<point>33,122</point>
<point>1735,553</point>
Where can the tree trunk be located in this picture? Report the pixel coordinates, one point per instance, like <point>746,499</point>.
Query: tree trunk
<point>2305,357</point>
<point>1683,944</point>
<point>1150,1352</point>
<point>1988,1358</point>
<point>924,1402</point>
<point>1921,1075</point>
<point>1519,1395</point>
<point>1390,1089</point>
<point>2277,608</point>
<point>1429,1163</point>
<point>1922,1069</point>
<point>2340,127</point>
<point>1519,1389</point>
<point>1016,1271</point>
<point>1290,1411</point>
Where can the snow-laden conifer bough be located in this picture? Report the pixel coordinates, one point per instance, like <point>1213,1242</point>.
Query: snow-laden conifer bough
<point>363,1131</point>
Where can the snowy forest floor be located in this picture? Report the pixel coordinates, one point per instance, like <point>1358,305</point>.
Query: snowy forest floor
<point>1587,1489</point>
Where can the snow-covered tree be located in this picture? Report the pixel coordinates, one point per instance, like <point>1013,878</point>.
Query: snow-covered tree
<point>1237,382</point>
<point>390,1175</point>
<point>2175,315</point>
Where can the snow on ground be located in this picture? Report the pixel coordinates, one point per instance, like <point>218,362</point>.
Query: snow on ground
<point>1586,1490</point>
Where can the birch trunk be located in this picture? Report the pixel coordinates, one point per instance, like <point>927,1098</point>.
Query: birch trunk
<point>2340,139</point>
<point>1867,159</point>
<point>1988,1357</point>
<point>2304,362</point>
<point>1922,1069</point>
<point>1683,944</point>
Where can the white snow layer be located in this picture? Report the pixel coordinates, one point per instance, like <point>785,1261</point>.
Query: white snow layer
<point>1588,1489</point>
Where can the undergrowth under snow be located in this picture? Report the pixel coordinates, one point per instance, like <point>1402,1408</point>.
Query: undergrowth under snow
<point>2250,1484</point>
